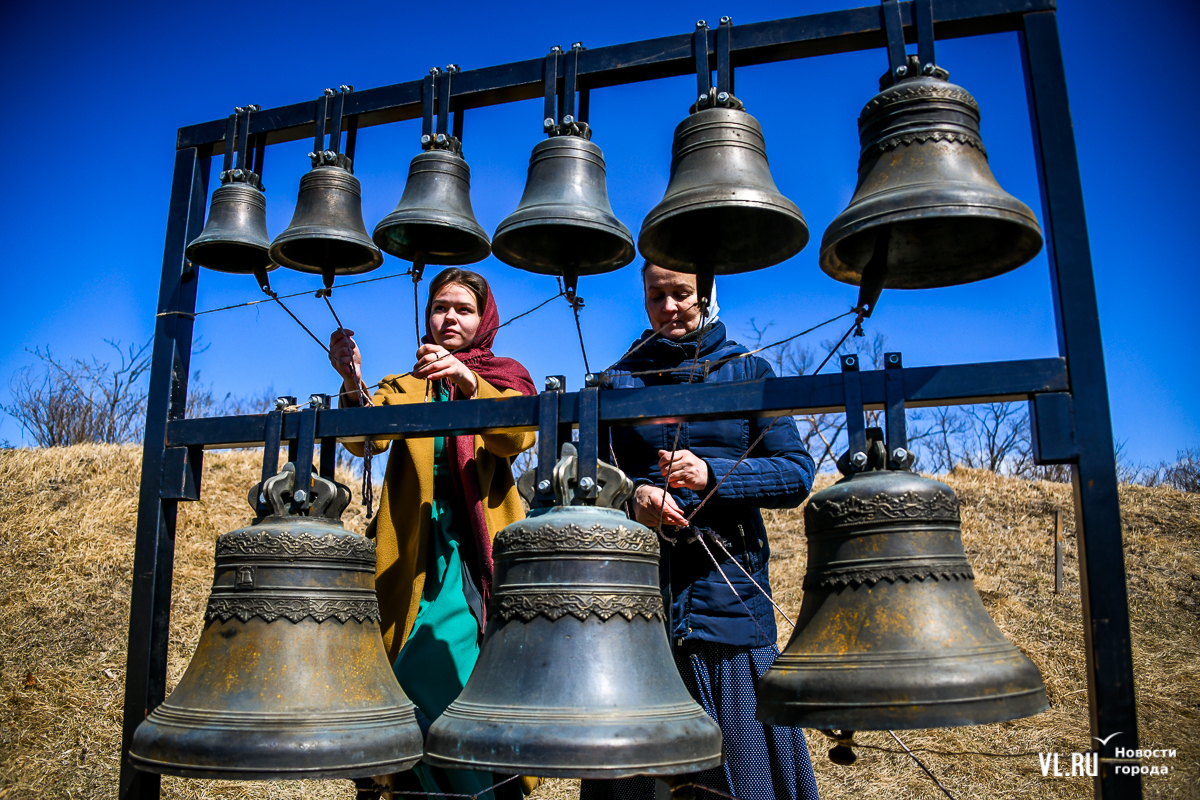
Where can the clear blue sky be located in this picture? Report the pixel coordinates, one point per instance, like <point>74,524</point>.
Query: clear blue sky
<point>106,86</point>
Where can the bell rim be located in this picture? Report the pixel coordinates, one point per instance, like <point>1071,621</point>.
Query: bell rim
<point>199,243</point>
<point>293,234</point>
<point>362,771</point>
<point>509,226</point>
<point>395,219</point>
<point>600,773</point>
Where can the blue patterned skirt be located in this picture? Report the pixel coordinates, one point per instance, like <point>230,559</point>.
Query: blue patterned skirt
<point>762,762</point>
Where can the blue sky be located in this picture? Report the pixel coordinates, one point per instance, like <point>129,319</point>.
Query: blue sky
<point>107,86</point>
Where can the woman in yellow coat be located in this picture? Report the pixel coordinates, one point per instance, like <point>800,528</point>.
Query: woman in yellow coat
<point>444,500</point>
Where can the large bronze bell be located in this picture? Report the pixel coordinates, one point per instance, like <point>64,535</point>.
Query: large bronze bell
<point>575,676</point>
<point>434,222</point>
<point>722,212</point>
<point>892,634</point>
<point>923,179</point>
<point>290,678</point>
<point>564,221</point>
<point>327,235</point>
<point>235,237</point>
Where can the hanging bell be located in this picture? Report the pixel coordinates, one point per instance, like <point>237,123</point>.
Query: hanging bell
<point>923,173</point>
<point>434,222</point>
<point>235,237</point>
<point>327,235</point>
<point>722,211</point>
<point>575,676</point>
<point>892,634</point>
<point>290,678</point>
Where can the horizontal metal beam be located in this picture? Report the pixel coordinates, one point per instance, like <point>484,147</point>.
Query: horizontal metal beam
<point>1000,381</point>
<point>754,43</point>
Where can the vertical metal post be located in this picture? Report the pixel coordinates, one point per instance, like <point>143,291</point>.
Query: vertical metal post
<point>897,424</point>
<point>548,440</point>
<point>589,439</point>
<point>154,547</point>
<point>856,435</point>
<point>1111,698</point>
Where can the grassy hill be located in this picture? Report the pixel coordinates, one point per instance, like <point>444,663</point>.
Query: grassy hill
<point>66,551</point>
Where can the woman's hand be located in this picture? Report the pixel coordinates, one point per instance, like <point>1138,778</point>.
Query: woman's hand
<point>647,501</point>
<point>435,362</point>
<point>687,469</point>
<point>347,360</point>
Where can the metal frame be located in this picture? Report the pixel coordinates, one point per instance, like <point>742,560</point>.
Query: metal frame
<point>1068,395</point>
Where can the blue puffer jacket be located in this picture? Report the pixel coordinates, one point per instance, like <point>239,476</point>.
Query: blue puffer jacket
<point>778,473</point>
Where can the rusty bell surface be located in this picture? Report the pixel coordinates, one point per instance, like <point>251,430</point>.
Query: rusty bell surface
<point>924,179</point>
<point>575,676</point>
<point>290,678</point>
<point>892,634</point>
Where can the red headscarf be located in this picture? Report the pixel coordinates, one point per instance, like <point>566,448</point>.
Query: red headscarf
<point>503,373</point>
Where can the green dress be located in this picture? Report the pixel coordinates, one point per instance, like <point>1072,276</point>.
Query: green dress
<point>439,654</point>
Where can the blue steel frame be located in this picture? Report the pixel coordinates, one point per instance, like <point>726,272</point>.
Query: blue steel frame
<point>1068,395</point>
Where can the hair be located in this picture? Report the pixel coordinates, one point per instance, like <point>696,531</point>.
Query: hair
<point>464,277</point>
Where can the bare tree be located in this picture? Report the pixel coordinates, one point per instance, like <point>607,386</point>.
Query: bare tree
<point>73,401</point>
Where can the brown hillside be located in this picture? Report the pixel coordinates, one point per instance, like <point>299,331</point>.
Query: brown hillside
<point>66,545</point>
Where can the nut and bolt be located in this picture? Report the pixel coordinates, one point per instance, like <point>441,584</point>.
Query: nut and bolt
<point>553,384</point>
<point>893,358</point>
<point>543,486</point>
<point>723,97</point>
<point>899,454</point>
<point>568,120</point>
<point>299,495</point>
<point>901,71</point>
<point>701,23</point>
<point>702,100</point>
<point>426,138</point>
<point>591,379</point>
<point>548,123</point>
<point>587,484</point>
<point>851,361</point>
<point>927,69</point>
<point>441,138</point>
<point>726,20</point>
<point>859,460</point>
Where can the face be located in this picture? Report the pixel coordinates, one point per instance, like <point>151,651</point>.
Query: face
<point>454,317</point>
<point>671,302</point>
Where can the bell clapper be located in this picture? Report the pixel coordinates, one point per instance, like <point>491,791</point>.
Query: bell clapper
<point>874,277</point>
<point>842,752</point>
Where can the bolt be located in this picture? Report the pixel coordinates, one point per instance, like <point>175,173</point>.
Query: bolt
<point>576,45</point>
<point>893,358</point>
<point>543,486</point>
<point>316,400</point>
<point>726,20</point>
<point>548,123</point>
<point>927,69</point>
<point>299,495</point>
<point>901,71</point>
<point>859,460</point>
<point>553,384</point>
<point>587,484</point>
<point>851,361</point>
<point>329,93</point>
<point>591,379</point>
<point>899,455</point>
<point>441,138</point>
<point>556,49</point>
<point>701,23</point>
<point>568,120</point>
<point>426,139</point>
<point>702,100</point>
<point>723,97</point>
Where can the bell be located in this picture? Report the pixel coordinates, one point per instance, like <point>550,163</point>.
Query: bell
<point>892,634</point>
<point>722,213</point>
<point>564,224</point>
<point>923,173</point>
<point>434,220</point>
<point>327,235</point>
<point>290,678</point>
<point>575,676</point>
<point>234,238</point>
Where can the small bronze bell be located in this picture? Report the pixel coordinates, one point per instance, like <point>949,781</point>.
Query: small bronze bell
<point>575,676</point>
<point>327,235</point>
<point>892,634</point>
<point>564,224</point>
<point>434,222</point>
<point>235,237</point>
<point>290,678</point>
<point>923,173</point>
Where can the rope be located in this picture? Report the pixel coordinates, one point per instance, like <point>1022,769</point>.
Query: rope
<point>738,564</point>
<point>275,297</point>
<point>932,777</point>
<point>576,303</point>
<point>284,297</point>
<point>368,488</point>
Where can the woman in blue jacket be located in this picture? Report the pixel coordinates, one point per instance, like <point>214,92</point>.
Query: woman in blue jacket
<point>723,637</point>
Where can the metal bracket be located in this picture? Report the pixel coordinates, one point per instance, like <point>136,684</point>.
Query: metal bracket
<point>305,445</point>
<point>856,432</point>
<point>589,441</point>
<point>893,26</point>
<point>899,456</point>
<point>564,121</point>
<point>181,471</point>
<point>541,493</point>
<point>1052,428</point>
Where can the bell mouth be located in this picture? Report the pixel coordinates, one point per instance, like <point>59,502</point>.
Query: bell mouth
<point>235,258</point>
<point>308,254</point>
<point>444,243</point>
<point>681,239</point>
<point>557,237</point>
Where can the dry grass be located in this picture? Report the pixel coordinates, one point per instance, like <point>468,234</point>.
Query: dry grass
<point>66,546</point>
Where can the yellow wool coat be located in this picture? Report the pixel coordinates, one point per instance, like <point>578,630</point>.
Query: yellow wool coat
<point>401,527</point>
